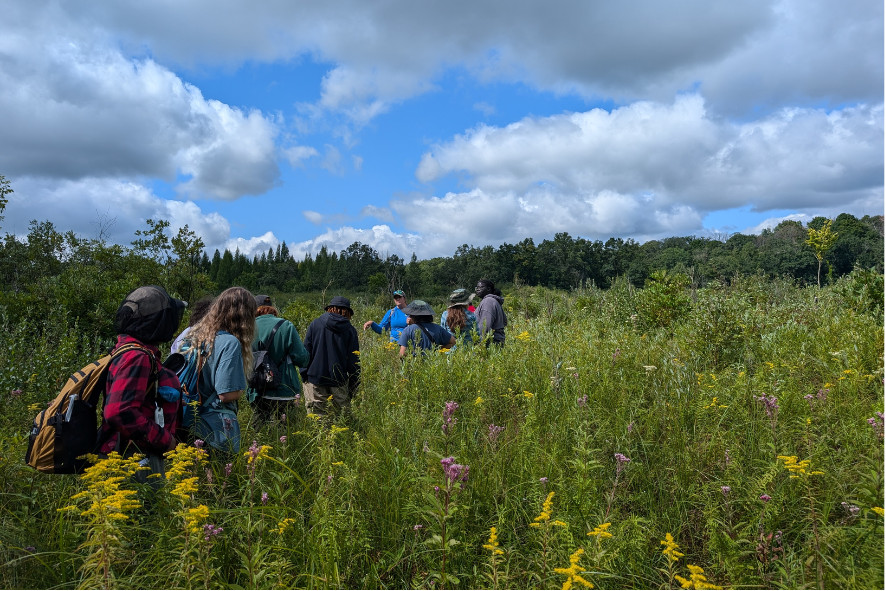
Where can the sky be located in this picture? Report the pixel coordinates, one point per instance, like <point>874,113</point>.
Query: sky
<point>419,126</point>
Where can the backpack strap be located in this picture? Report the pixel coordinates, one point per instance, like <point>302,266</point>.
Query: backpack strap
<point>428,334</point>
<point>270,345</point>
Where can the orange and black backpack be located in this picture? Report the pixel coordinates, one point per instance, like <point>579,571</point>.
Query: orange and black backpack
<point>69,428</point>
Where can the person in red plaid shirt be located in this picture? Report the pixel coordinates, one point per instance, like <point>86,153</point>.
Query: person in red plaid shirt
<point>139,417</point>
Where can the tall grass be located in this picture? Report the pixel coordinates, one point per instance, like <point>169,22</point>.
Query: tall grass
<point>652,428</point>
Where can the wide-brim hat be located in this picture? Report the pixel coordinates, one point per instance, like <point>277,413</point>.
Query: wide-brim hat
<point>460,297</point>
<point>418,308</point>
<point>340,302</point>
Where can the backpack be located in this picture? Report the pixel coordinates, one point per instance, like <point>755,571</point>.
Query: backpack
<point>188,366</point>
<point>69,428</point>
<point>206,419</point>
<point>265,373</point>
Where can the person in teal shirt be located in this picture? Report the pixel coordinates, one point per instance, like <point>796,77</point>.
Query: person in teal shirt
<point>394,319</point>
<point>287,352</point>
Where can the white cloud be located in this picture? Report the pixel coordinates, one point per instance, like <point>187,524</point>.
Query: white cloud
<point>105,208</point>
<point>646,170</point>
<point>73,106</point>
<point>382,238</point>
<point>297,155</point>
<point>313,216</point>
<point>251,247</point>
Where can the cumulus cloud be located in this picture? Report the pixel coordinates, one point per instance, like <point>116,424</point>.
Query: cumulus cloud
<point>105,208</point>
<point>255,246</point>
<point>382,238</point>
<point>745,54</point>
<point>646,169</point>
<point>72,106</point>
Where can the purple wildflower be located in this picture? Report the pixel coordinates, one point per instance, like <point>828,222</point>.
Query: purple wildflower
<point>210,531</point>
<point>209,475</point>
<point>543,479</point>
<point>283,439</point>
<point>264,498</point>
<point>876,423</point>
<point>725,490</point>
<point>621,460</point>
<point>765,498</point>
<point>851,509</point>
<point>631,427</point>
<point>449,420</point>
<point>583,400</point>
<point>454,472</point>
<point>417,527</point>
<point>770,404</point>
<point>228,468</point>
<point>494,431</point>
<point>15,393</point>
<point>198,443</point>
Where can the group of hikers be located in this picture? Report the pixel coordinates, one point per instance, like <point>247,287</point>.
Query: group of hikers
<point>146,406</point>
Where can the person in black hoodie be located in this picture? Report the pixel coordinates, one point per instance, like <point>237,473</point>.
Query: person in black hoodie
<point>333,369</point>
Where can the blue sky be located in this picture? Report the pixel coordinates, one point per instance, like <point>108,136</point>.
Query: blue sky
<point>418,127</point>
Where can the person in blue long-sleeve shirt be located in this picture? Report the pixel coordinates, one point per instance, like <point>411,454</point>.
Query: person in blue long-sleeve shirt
<point>394,319</point>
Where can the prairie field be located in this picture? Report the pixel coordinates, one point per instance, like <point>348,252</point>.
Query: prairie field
<point>727,436</point>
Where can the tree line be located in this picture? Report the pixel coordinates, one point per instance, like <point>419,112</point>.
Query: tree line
<point>51,274</point>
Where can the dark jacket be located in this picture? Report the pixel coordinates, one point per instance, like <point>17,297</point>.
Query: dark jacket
<point>334,353</point>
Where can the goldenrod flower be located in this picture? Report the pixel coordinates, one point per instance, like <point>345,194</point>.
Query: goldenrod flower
<point>545,514</point>
<point>572,572</point>
<point>600,531</point>
<point>878,510</point>
<point>696,580</point>
<point>492,543</point>
<point>523,336</point>
<point>672,550</point>
<point>559,523</point>
<point>284,525</point>
<point>798,469</point>
<point>195,517</point>
<point>478,401</point>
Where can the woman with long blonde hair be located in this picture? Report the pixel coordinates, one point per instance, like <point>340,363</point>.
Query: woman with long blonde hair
<point>222,339</point>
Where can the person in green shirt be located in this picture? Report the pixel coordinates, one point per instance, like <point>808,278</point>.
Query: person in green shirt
<point>287,351</point>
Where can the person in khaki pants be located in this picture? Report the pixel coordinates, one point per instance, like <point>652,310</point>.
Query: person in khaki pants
<point>333,370</point>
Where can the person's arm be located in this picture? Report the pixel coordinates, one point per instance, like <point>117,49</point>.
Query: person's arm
<point>230,396</point>
<point>484,319</point>
<point>451,341</point>
<point>294,347</point>
<point>402,351</point>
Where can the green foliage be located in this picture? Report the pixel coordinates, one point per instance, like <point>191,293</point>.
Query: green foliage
<point>664,300</point>
<point>353,503</point>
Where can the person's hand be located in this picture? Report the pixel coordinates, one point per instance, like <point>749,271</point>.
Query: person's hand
<point>367,324</point>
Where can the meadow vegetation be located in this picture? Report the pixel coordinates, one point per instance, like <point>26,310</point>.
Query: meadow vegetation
<point>654,437</point>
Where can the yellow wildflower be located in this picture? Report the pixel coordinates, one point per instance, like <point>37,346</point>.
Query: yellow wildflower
<point>314,416</point>
<point>545,514</point>
<point>523,336</point>
<point>559,523</point>
<point>253,454</point>
<point>284,525</point>
<point>696,580</point>
<point>338,463</point>
<point>600,531</point>
<point>195,517</point>
<point>672,550</point>
<point>798,468</point>
<point>185,488</point>
<point>478,401</point>
<point>572,572</point>
<point>492,543</point>
<point>528,394</point>
<point>878,510</point>
<point>36,407</point>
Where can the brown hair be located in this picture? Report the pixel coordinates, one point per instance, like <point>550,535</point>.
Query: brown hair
<point>262,310</point>
<point>340,311</point>
<point>456,319</point>
<point>234,312</point>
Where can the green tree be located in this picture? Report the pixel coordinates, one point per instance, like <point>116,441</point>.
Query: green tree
<point>821,241</point>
